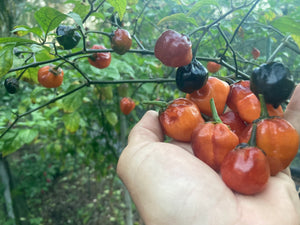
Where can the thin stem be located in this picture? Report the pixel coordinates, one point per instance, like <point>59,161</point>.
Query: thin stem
<point>215,115</point>
<point>264,111</point>
<point>252,140</point>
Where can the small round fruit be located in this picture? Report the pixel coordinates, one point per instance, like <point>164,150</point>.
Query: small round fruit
<point>50,76</point>
<point>274,80</point>
<point>126,105</point>
<point>213,67</point>
<point>100,60</point>
<point>11,85</point>
<point>173,49</point>
<point>67,36</point>
<point>121,41</point>
<point>180,118</point>
<point>255,53</point>
<point>246,170</point>
<point>191,77</point>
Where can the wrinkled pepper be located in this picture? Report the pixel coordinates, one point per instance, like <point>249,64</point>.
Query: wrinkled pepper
<point>212,141</point>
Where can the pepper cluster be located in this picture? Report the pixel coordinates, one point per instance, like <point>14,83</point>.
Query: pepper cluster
<point>234,130</point>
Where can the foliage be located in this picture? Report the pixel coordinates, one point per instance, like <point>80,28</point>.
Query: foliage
<point>79,126</point>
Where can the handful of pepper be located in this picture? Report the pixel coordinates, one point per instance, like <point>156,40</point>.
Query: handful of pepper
<point>241,132</point>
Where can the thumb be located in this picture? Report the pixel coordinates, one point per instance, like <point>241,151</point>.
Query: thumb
<point>292,112</point>
<point>147,130</point>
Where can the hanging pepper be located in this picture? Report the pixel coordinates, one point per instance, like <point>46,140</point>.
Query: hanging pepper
<point>276,137</point>
<point>67,36</point>
<point>274,81</point>
<point>214,88</point>
<point>212,141</point>
<point>243,101</point>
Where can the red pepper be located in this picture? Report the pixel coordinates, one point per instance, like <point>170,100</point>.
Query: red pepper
<point>233,120</point>
<point>277,138</point>
<point>212,141</point>
<point>214,88</point>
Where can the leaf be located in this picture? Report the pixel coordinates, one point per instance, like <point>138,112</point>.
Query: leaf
<point>200,4</point>
<point>23,30</point>
<point>119,6</point>
<point>17,40</point>
<point>73,101</point>
<point>178,17</point>
<point>296,38</point>
<point>49,18</point>
<point>287,24</point>
<point>16,139</point>
<point>6,59</point>
<point>72,121</point>
<point>76,18</point>
<point>112,118</point>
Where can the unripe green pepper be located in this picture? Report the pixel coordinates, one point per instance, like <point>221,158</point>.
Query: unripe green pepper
<point>274,81</point>
<point>67,36</point>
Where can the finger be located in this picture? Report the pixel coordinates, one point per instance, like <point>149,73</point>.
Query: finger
<point>147,130</point>
<point>293,109</point>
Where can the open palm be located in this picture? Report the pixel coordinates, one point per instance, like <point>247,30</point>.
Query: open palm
<point>169,185</point>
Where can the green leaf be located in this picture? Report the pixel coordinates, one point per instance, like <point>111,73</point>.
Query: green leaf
<point>76,18</point>
<point>119,6</point>
<point>72,121</point>
<point>200,4</point>
<point>49,18</point>
<point>296,38</point>
<point>112,118</point>
<point>14,140</point>
<point>73,101</point>
<point>6,59</point>
<point>23,30</point>
<point>16,40</point>
<point>287,24</point>
<point>178,17</point>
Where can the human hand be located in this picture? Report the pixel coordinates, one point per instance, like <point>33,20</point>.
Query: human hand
<point>169,185</point>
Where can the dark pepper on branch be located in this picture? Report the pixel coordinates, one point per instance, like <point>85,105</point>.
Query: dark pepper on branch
<point>191,77</point>
<point>67,36</point>
<point>274,81</point>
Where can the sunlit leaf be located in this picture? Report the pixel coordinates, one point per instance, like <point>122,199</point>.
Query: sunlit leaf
<point>72,121</point>
<point>178,17</point>
<point>200,4</point>
<point>119,6</point>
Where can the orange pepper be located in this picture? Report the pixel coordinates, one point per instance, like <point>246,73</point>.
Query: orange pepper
<point>214,88</point>
<point>243,101</point>
<point>278,139</point>
<point>212,141</point>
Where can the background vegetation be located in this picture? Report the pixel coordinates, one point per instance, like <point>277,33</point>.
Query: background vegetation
<point>60,147</point>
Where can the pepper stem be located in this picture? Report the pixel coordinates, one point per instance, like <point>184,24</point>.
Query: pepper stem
<point>252,140</point>
<point>215,115</point>
<point>161,104</point>
<point>264,111</point>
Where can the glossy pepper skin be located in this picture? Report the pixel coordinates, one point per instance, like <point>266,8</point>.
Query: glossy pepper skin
<point>243,101</point>
<point>180,118</point>
<point>173,49</point>
<point>191,77</point>
<point>246,170</point>
<point>278,139</point>
<point>274,81</point>
<point>214,88</point>
<point>234,121</point>
<point>11,85</point>
<point>212,141</point>
<point>121,41</point>
<point>67,36</point>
